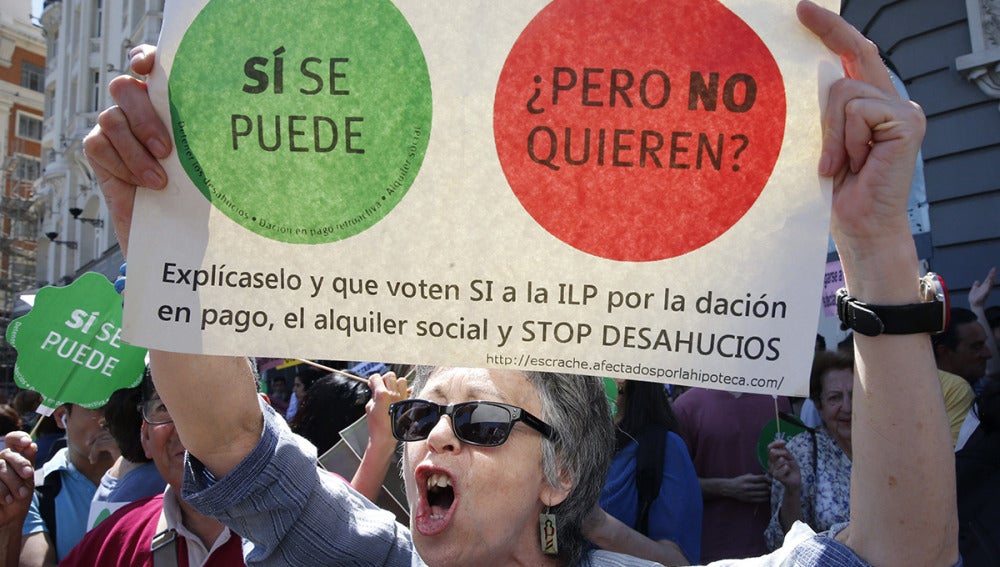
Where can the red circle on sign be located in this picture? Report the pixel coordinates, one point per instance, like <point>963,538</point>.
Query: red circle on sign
<point>638,130</point>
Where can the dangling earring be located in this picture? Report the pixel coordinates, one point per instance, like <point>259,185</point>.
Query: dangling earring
<point>547,531</point>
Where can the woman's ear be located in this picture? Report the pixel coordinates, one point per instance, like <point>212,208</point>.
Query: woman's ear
<point>552,495</point>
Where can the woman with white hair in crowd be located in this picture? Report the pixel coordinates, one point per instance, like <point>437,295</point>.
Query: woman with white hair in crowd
<point>903,509</point>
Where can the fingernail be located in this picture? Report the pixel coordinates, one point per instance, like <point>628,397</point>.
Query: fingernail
<point>8,499</point>
<point>152,178</point>
<point>824,165</point>
<point>23,492</point>
<point>157,148</point>
<point>135,56</point>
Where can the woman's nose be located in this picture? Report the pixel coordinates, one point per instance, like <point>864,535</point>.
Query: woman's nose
<point>442,437</point>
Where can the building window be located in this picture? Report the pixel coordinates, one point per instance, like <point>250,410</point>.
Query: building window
<point>29,127</point>
<point>96,94</point>
<point>98,17</point>
<point>32,77</point>
<point>28,168</point>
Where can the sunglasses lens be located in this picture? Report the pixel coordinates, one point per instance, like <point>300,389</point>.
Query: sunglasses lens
<point>482,424</point>
<point>413,420</point>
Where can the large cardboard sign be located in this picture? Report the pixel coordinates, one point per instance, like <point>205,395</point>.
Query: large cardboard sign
<point>610,187</point>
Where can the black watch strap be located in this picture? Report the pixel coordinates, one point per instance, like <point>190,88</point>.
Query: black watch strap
<point>874,320</point>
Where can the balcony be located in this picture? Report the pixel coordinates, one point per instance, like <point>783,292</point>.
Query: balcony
<point>982,66</point>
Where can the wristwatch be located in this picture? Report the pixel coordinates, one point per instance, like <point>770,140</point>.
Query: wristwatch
<point>928,316</point>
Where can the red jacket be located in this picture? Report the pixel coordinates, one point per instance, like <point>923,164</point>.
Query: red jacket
<point>123,540</point>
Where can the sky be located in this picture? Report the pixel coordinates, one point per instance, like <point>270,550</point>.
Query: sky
<point>36,8</point>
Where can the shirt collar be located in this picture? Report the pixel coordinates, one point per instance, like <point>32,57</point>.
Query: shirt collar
<point>197,553</point>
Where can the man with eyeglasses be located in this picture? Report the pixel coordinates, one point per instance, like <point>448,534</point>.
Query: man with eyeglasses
<point>163,529</point>
<point>134,476</point>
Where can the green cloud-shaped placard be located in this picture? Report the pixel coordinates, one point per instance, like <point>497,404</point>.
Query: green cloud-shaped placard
<point>69,347</point>
<point>773,431</point>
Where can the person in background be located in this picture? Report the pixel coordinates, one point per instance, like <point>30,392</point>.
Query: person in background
<point>331,403</point>
<point>721,430</point>
<point>57,517</point>
<point>961,354</point>
<point>334,402</point>
<point>812,472</point>
<point>277,395</point>
<point>977,466</point>
<point>49,436</point>
<point>961,349</point>
<point>303,381</point>
<point>958,399</point>
<point>988,318</point>
<point>806,410</point>
<point>134,476</point>
<point>181,535</point>
<point>26,402</point>
<point>847,344</point>
<point>10,420</point>
<point>386,389</point>
<point>993,322</point>
<point>652,485</point>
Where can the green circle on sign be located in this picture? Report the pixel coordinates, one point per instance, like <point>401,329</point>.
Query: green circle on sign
<point>307,125</point>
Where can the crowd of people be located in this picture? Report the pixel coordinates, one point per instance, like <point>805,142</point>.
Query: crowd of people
<point>683,486</point>
<point>503,467</point>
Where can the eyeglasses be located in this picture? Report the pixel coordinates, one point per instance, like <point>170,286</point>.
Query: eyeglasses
<point>154,412</point>
<point>486,424</point>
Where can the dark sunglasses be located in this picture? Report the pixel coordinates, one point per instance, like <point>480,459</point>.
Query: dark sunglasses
<point>486,424</point>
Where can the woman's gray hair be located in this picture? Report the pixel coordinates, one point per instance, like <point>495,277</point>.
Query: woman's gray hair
<point>577,408</point>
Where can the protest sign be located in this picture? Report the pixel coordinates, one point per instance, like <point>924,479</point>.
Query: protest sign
<point>70,348</point>
<point>833,280</point>
<point>607,187</point>
<point>345,456</point>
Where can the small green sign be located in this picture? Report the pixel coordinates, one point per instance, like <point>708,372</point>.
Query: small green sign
<point>789,427</point>
<point>302,129</point>
<point>69,347</point>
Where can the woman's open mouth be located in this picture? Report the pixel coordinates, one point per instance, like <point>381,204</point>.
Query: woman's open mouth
<point>437,502</point>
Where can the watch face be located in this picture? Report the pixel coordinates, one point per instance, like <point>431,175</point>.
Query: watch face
<point>933,289</point>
